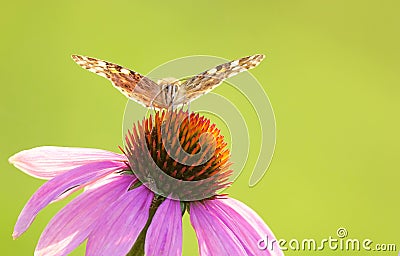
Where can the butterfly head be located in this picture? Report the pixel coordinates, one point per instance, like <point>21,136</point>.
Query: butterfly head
<point>169,81</point>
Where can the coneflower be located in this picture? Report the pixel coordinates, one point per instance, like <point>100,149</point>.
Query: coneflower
<point>132,204</point>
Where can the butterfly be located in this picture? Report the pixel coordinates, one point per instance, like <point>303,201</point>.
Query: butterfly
<point>166,93</point>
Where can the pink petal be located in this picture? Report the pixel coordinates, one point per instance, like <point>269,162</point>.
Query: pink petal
<point>48,161</point>
<point>121,224</point>
<point>88,186</point>
<point>58,185</point>
<point>164,236</point>
<point>213,236</point>
<point>71,226</point>
<point>248,227</point>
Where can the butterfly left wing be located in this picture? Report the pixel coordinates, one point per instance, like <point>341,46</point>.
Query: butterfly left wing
<point>208,80</point>
<point>132,84</point>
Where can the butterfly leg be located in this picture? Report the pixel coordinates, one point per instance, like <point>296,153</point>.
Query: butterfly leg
<point>188,110</point>
<point>152,107</point>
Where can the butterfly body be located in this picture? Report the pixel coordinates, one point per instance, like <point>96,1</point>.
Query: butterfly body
<point>169,92</point>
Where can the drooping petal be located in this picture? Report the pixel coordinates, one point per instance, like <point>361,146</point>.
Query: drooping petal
<point>88,186</point>
<point>121,224</point>
<point>164,236</point>
<point>48,161</point>
<point>213,236</point>
<point>71,226</point>
<point>247,226</point>
<point>58,185</point>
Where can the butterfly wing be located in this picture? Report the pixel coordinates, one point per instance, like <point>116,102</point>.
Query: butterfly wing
<point>132,84</point>
<point>208,80</point>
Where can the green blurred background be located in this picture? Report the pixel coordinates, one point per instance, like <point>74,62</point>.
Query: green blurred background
<point>332,75</point>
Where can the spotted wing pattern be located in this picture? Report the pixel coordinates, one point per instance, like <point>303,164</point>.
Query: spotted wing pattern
<point>132,84</point>
<point>208,80</point>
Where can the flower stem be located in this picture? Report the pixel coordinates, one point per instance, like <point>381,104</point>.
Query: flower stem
<point>138,248</point>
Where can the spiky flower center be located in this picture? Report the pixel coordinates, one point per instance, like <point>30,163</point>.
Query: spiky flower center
<point>179,155</point>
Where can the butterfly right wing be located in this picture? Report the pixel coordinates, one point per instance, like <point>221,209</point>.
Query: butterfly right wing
<point>132,84</point>
<point>209,79</point>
